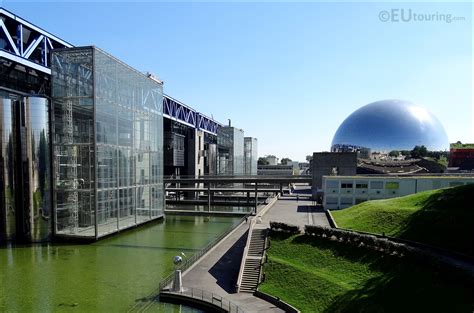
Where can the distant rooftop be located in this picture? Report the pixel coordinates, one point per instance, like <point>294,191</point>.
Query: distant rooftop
<point>420,176</point>
<point>462,145</point>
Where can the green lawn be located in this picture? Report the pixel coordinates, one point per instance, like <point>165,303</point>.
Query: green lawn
<point>443,218</point>
<point>320,276</point>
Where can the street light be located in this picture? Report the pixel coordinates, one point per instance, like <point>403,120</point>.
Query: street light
<point>178,280</point>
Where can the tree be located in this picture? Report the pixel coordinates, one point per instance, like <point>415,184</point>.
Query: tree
<point>309,158</point>
<point>262,161</point>
<point>285,161</point>
<point>394,153</point>
<point>419,152</point>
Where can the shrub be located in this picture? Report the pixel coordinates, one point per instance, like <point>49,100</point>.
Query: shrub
<point>283,227</point>
<point>314,230</point>
<point>369,241</point>
<point>385,245</point>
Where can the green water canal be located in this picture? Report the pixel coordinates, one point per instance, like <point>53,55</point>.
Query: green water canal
<point>111,275</point>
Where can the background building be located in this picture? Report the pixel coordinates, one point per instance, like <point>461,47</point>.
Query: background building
<point>275,170</point>
<point>230,145</point>
<point>331,163</point>
<point>190,140</point>
<point>461,156</point>
<point>344,191</point>
<point>108,157</point>
<point>250,155</point>
<point>105,152</point>
<point>271,159</point>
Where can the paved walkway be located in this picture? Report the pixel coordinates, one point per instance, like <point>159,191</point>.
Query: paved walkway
<point>291,211</point>
<point>217,271</point>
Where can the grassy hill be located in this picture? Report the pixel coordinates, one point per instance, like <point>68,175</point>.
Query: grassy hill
<point>443,218</point>
<point>321,276</point>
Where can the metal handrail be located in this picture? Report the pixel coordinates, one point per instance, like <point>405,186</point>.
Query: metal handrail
<point>209,297</point>
<point>190,261</point>
<point>244,256</point>
<point>184,266</point>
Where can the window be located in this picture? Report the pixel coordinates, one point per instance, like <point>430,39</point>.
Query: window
<point>332,184</point>
<point>392,185</point>
<point>346,185</point>
<point>362,185</point>
<point>376,185</point>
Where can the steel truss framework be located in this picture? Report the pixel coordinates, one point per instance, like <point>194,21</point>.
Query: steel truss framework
<point>25,43</point>
<point>29,45</point>
<point>175,110</point>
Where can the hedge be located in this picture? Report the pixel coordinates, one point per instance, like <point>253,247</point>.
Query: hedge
<point>283,227</point>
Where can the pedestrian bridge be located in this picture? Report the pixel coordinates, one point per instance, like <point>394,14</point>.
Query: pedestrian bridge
<point>250,186</point>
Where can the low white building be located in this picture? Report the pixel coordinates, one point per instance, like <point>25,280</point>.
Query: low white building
<point>275,170</point>
<point>344,191</point>
<point>271,159</point>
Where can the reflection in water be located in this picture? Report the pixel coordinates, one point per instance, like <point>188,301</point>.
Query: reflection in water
<point>109,275</point>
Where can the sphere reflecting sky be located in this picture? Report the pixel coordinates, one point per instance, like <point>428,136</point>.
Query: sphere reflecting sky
<point>392,125</point>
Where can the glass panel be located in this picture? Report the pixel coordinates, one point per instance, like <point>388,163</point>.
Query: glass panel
<point>238,151</point>
<point>376,185</point>
<point>391,185</point>
<point>129,144</point>
<point>37,189</point>
<point>250,155</point>
<point>7,177</point>
<point>124,153</point>
<point>332,184</point>
<point>73,142</point>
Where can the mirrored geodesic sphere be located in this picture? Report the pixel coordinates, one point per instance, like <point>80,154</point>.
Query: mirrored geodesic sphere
<point>388,125</point>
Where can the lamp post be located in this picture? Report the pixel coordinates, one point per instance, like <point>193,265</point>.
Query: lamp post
<point>178,280</point>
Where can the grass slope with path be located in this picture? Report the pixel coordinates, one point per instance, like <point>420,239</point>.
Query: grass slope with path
<point>443,218</point>
<point>320,276</point>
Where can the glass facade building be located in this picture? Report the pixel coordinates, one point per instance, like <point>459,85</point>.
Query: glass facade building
<point>107,144</point>
<point>230,142</point>
<point>250,155</point>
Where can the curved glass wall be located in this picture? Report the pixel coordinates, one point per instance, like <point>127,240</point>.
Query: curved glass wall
<point>113,162</point>
<point>25,175</point>
<point>37,181</point>
<point>7,166</point>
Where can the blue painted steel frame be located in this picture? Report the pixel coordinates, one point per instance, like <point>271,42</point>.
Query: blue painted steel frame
<point>180,112</point>
<point>13,29</point>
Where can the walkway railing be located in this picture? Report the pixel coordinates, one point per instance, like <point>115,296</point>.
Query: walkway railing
<point>190,261</point>
<point>208,297</point>
<point>167,280</point>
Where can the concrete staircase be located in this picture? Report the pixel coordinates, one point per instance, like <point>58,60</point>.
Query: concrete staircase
<point>252,267</point>
<point>257,242</point>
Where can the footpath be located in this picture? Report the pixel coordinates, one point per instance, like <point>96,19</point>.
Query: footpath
<point>218,270</point>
